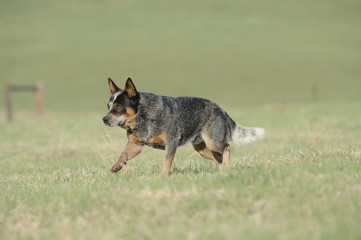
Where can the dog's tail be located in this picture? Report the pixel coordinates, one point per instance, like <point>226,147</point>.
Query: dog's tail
<point>246,135</point>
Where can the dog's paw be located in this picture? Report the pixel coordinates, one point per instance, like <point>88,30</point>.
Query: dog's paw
<point>116,167</point>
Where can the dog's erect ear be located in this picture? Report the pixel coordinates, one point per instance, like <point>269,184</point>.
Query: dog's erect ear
<point>130,89</point>
<point>113,88</point>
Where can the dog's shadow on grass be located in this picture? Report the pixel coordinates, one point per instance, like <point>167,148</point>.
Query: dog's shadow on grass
<point>191,169</point>
<point>202,169</point>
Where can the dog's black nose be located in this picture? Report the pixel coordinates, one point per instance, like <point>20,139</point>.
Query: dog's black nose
<point>106,119</point>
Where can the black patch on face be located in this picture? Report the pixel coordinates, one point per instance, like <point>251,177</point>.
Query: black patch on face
<point>118,110</point>
<point>123,102</point>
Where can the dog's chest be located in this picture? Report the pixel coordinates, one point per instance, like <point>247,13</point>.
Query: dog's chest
<point>157,141</point>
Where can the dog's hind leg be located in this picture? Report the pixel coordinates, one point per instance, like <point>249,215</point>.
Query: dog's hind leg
<point>227,156</point>
<point>205,152</point>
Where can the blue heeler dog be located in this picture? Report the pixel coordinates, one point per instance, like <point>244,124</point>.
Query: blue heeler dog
<point>169,122</point>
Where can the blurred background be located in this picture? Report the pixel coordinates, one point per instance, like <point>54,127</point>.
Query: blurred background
<point>232,52</point>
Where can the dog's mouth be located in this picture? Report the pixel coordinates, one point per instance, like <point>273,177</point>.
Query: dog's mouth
<point>112,124</point>
<point>121,123</point>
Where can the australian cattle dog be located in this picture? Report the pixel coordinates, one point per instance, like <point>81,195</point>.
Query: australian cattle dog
<point>168,122</point>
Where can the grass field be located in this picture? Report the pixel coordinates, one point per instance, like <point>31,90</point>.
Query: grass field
<point>301,182</point>
<point>257,59</point>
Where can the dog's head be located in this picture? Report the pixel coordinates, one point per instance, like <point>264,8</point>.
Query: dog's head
<point>122,105</point>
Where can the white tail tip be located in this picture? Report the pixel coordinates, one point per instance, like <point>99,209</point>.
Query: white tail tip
<point>245,135</point>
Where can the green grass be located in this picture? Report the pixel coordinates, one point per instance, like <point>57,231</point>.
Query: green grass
<point>301,182</point>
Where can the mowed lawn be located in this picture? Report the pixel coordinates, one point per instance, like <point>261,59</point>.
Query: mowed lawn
<point>303,181</point>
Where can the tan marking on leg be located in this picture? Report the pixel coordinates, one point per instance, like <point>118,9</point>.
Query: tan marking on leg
<point>202,149</point>
<point>205,152</point>
<point>131,150</point>
<point>208,141</point>
<point>167,161</point>
<point>227,156</point>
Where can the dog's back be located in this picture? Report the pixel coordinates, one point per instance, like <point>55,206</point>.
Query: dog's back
<point>191,116</point>
<point>187,118</point>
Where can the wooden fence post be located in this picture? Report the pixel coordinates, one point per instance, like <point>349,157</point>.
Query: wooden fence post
<point>39,99</point>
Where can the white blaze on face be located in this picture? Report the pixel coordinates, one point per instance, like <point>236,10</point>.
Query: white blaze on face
<point>112,102</point>
<point>115,120</point>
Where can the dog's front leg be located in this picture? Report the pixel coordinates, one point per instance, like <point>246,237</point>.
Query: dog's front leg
<point>130,151</point>
<point>168,158</point>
